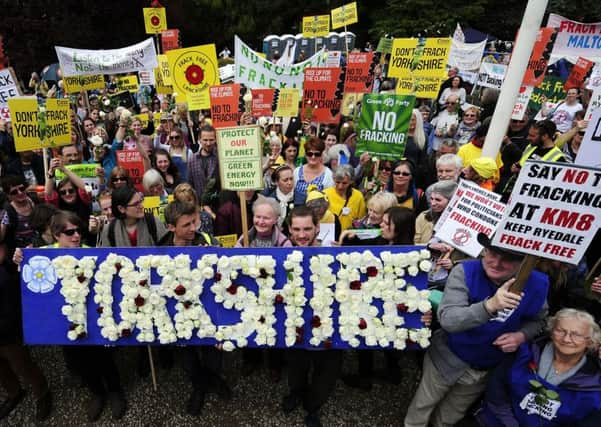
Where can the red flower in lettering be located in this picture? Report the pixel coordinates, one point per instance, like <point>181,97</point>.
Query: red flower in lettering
<point>402,308</point>
<point>279,299</point>
<point>315,322</point>
<point>194,74</point>
<point>179,290</point>
<point>139,301</point>
<point>355,285</point>
<point>126,333</point>
<point>81,278</point>
<point>372,271</point>
<point>186,304</point>
<point>232,289</point>
<point>362,323</point>
<point>217,277</point>
<point>118,266</point>
<point>143,282</point>
<point>99,310</point>
<point>263,273</point>
<point>262,319</point>
<point>327,344</point>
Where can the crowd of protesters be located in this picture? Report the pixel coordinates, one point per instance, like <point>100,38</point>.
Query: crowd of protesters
<point>489,342</point>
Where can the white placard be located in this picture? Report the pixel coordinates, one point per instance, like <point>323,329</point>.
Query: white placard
<point>589,153</point>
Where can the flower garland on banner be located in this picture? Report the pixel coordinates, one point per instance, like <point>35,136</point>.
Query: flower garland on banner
<point>294,297</point>
<point>258,311</point>
<point>359,318</point>
<point>75,278</point>
<point>323,296</point>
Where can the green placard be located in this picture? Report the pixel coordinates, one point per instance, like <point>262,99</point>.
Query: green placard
<point>383,125</point>
<point>552,88</point>
<point>384,45</point>
<point>240,158</point>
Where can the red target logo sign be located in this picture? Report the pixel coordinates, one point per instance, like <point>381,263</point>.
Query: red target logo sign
<point>461,236</point>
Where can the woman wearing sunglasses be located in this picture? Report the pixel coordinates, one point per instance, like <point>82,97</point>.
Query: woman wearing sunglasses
<point>178,151</point>
<point>312,173</point>
<point>402,185</point>
<point>468,126</point>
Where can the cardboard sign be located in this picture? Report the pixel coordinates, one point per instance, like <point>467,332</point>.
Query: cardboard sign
<point>319,95</point>
<point>228,240</point>
<point>164,69</point>
<point>470,211</point>
<point>358,78</point>
<point>87,172</point>
<point>421,87</point>
<point>383,125</point>
<point>170,40</point>
<point>30,133</point>
<point>594,103</point>
<point>224,105</point>
<point>155,20</point>
<point>537,64</point>
<point>344,15</point>
<point>76,84</point>
<point>240,158</point>
<point>133,162</point>
<point>521,103</point>
<point>9,87</point>
<point>594,81</point>
<point>129,83</point>
<point>47,320</point>
<point>554,211</point>
<point>316,26</point>
<point>288,102</point>
<point>193,71</point>
<point>491,75</point>
<point>409,59</point>
<point>589,153</point>
<point>581,69</point>
<point>575,38</point>
<point>551,88</point>
<point>262,102</point>
<point>130,59</point>
<point>255,72</point>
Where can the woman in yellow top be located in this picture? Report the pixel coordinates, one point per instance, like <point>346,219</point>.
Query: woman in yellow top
<point>345,202</point>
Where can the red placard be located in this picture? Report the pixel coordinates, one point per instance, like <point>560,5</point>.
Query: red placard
<point>537,64</point>
<point>579,72</point>
<point>320,103</point>
<point>132,161</point>
<point>224,105</point>
<point>262,102</point>
<point>170,40</point>
<point>358,79</point>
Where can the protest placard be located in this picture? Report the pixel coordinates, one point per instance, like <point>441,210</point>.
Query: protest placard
<point>358,78</point>
<point>160,86</point>
<point>256,72</point>
<point>333,58</point>
<point>287,105</point>
<point>384,45</point>
<point>155,205</point>
<point>401,58</point>
<point>262,102</point>
<point>589,153</point>
<point>240,158</point>
<point>554,211</point>
<point>537,64</point>
<point>144,119</point>
<point>470,211</point>
<point>575,38</point>
<point>224,105</point>
<point>491,75</point>
<point>351,103</point>
<point>316,26</point>
<point>521,102</point>
<point>229,240</point>
<point>128,83</point>
<point>383,125</point>
<point>164,70</point>
<point>421,87</point>
<point>579,73</point>
<point>8,86</point>
<point>193,71</point>
<point>594,81</point>
<point>76,84</point>
<point>551,88</point>
<point>130,59</point>
<point>319,102</point>
<point>146,77</point>
<point>155,19</point>
<point>32,133</point>
<point>133,162</point>
<point>5,114</point>
<point>165,283</point>
<point>415,58</point>
<point>594,103</point>
<point>87,172</point>
<point>344,15</point>
<point>170,40</point>
<point>466,56</point>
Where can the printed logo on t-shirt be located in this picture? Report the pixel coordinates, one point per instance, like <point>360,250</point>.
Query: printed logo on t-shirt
<point>546,408</point>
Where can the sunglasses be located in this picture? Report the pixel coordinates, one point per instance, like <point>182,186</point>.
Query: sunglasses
<point>135,204</point>
<point>67,191</point>
<point>17,190</point>
<point>313,154</point>
<point>397,173</point>
<point>518,121</point>
<point>119,179</point>
<point>172,137</point>
<point>71,231</point>
<point>386,168</point>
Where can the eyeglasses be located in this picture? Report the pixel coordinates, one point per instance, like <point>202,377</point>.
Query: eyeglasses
<point>17,190</point>
<point>172,137</point>
<point>136,204</point>
<point>313,154</point>
<point>386,168</point>
<point>574,336</point>
<point>71,231</point>
<point>397,173</point>
<point>119,179</point>
<point>67,191</point>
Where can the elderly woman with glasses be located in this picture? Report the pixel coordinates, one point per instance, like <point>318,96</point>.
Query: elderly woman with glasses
<point>552,381</point>
<point>468,126</point>
<point>313,173</point>
<point>345,201</point>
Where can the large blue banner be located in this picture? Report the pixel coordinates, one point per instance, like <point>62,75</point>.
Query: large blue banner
<point>276,297</point>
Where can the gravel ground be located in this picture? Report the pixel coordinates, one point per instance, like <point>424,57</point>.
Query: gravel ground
<point>256,400</point>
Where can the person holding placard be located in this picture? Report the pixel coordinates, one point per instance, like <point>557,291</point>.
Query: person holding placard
<point>563,113</point>
<point>313,173</point>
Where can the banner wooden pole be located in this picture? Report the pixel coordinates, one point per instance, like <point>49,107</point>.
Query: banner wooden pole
<point>245,240</point>
<point>152,371</point>
<point>525,269</point>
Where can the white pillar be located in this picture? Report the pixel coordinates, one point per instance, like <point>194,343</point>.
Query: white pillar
<point>531,22</point>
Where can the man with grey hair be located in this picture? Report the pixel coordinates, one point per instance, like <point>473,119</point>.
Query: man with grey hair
<point>345,201</point>
<point>448,167</point>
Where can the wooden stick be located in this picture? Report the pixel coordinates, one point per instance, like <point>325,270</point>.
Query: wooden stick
<point>591,273</point>
<point>525,269</point>
<point>245,239</point>
<point>152,371</point>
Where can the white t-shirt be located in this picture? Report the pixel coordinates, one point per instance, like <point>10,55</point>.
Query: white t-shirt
<point>563,115</point>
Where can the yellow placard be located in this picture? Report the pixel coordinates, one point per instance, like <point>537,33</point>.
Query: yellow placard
<point>25,122</point>
<point>129,83</point>
<point>316,26</point>
<point>227,240</point>
<point>156,118</point>
<point>160,86</point>
<point>164,69</point>
<point>155,20</point>
<point>288,101</point>
<point>144,119</point>
<point>193,71</point>
<point>408,59</point>
<point>421,87</point>
<point>344,15</point>
<point>155,205</point>
<point>76,84</point>
<point>401,57</point>
<point>433,61</point>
